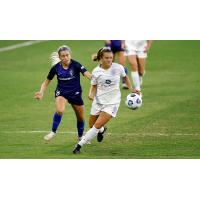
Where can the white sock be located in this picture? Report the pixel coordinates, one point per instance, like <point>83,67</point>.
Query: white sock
<point>89,136</point>
<point>141,81</point>
<point>136,80</point>
<point>101,129</point>
<point>141,78</point>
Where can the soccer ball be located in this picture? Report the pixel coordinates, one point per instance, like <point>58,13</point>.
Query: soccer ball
<point>133,101</point>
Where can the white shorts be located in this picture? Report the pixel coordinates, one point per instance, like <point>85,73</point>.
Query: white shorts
<point>139,54</point>
<point>110,109</point>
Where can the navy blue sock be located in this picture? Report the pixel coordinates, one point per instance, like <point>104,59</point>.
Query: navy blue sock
<point>80,128</point>
<point>56,121</point>
<point>126,71</point>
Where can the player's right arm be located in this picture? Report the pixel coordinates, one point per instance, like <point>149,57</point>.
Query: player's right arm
<point>92,92</point>
<point>39,95</point>
<point>93,88</point>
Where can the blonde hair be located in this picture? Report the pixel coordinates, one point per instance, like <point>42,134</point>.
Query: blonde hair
<point>54,58</point>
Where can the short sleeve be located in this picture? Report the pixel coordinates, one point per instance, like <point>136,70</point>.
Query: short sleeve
<point>94,79</point>
<point>122,71</point>
<point>52,73</point>
<point>81,68</point>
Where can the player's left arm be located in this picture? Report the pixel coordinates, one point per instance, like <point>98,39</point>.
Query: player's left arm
<point>87,75</point>
<point>129,85</point>
<point>84,71</point>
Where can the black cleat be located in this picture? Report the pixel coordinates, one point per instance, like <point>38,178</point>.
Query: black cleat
<point>77,149</point>
<point>100,135</point>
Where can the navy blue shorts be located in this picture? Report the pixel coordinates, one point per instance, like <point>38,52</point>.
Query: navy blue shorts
<point>74,99</point>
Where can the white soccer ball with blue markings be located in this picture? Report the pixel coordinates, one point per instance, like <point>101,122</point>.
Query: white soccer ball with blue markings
<point>133,101</point>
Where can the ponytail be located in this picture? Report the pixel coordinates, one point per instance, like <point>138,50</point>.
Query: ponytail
<point>54,58</point>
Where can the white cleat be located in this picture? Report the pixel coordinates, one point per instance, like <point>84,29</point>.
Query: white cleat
<point>49,136</point>
<point>124,86</point>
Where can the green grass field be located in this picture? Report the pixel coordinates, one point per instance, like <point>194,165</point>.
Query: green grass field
<point>167,125</point>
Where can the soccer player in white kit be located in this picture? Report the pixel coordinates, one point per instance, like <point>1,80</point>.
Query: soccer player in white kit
<point>136,51</point>
<point>106,95</point>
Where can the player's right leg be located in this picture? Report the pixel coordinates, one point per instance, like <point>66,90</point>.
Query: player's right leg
<point>92,120</point>
<point>134,71</point>
<point>60,102</point>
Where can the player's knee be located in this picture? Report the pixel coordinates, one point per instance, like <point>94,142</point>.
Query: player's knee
<point>98,125</point>
<point>134,67</point>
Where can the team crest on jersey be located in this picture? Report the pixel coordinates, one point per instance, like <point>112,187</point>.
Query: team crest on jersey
<point>71,72</point>
<point>108,81</point>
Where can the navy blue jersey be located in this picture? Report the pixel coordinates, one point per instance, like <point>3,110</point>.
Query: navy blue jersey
<point>68,79</point>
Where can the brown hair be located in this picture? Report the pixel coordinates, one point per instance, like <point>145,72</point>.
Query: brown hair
<point>101,52</point>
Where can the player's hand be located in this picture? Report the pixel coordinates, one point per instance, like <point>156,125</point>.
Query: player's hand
<point>90,97</point>
<point>38,95</point>
<point>136,91</point>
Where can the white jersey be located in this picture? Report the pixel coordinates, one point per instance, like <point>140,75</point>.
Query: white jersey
<point>136,45</point>
<point>108,84</point>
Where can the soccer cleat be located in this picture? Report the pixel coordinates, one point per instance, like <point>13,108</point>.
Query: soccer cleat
<point>100,135</point>
<point>77,149</point>
<point>49,136</point>
<point>124,86</point>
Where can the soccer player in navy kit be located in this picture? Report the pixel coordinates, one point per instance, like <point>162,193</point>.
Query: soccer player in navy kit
<point>68,89</point>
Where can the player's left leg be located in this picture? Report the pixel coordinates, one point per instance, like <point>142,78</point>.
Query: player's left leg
<point>79,111</point>
<point>100,122</point>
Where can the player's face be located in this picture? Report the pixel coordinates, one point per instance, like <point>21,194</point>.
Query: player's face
<point>107,59</point>
<point>65,57</point>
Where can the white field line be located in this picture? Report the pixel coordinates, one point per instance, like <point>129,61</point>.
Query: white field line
<point>128,134</point>
<point>16,46</point>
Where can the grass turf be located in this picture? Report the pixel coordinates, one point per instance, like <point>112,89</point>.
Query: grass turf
<point>167,125</point>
